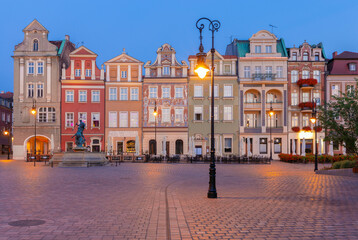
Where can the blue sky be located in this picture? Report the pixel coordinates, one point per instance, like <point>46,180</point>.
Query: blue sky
<point>141,27</point>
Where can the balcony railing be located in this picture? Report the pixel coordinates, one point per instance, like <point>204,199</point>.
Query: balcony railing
<point>263,76</point>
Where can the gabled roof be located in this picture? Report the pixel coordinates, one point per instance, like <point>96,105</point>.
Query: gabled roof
<point>82,51</point>
<point>123,58</point>
<point>35,25</point>
<point>347,55</point>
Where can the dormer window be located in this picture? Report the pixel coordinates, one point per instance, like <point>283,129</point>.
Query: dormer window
<point>36,45</point>
<point>268,49</point>
<point>352,67</point>
<point>166,70</point>
<point>316,57</point>
<point>257,49</point>
<point>294,56</point>
<point>305,56</point>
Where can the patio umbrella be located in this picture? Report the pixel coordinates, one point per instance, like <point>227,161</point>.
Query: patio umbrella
<point>190,146</point>
<point>319,146</point>
<point>242,147</point>
<point>344,150</point>
<point>164,150</point>
<point>248,147</point>
<point>108,145</point>
<point>331,148</point>
<point>293,146</point>
<point>303,152</point>
<point>52,144</point>
<point>193,146</point>
<point>220,146</point>
<point>137,145</point>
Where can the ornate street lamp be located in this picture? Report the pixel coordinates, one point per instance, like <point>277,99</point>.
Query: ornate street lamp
<point>271,113</point>
<point>313,120</point>
<point>155,113</point>
<point>202,69</point>
<point>7,133</point>
<point>33,112</point>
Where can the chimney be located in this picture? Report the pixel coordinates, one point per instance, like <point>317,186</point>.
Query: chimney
<point>67,37</point>
<point>334,54</point>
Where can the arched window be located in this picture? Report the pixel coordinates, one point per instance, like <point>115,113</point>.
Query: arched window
<point>179,146</point>
<point>36,45</point>
<point>152,147</point>
<point>305,56</point>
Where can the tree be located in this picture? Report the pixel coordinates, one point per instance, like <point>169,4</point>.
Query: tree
<point>340,118</point>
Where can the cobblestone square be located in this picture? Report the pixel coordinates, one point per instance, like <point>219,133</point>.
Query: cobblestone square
<point>168,201</point>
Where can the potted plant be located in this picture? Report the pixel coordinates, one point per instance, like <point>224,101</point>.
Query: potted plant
<point>306,128</point>
<point>307,82</point>
<point>295,129</point>
<point>307,105</point>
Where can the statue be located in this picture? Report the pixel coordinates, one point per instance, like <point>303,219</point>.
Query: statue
<point>80,139</point>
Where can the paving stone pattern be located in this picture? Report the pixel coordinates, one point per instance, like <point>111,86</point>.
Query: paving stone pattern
<point>168,201</point>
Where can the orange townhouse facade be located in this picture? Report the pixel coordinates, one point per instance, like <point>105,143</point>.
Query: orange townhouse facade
<point>82,99</point>
<point>123,105</point>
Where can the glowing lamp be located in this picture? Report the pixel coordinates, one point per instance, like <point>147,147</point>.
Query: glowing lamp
<point>33,111</point>
<point>6,133</point>
<point>313,120</point>
<point>201,71</point>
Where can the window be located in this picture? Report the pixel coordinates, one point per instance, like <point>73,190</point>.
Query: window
<point>269,73</point>
<point>166,115</point>
<point>352,66</point>
<point>40,67</point>
<point>227,68</point>
<point>198,90</point>
<point>40,90</point>
<point>316,57</point>
<point>69,120</point>
<point>228,91</point>
<point>134,119</point>
<point>335,90</point>
<point>227,113</point>
<point>134,94</point>
<point>294,56</point>
<point>30,90</point>
<point>227,145</point>
<point>305,56</point>
<point>36,45</point>
<point>279,71</point>
<point>78,72</point>
<point>179,114</point>
<point>294,121</point>
<point>47,114</point>
<point>247,72</point>
<point>305,97</point>
<point>151,117</point>
<point>277,145</point>
<point>198,113</point>
<point>263,145</point>
<point>124,94</point>
<point>95,96</point>
<point>8,118</point>
<point>69,96</point>
<point>112,119</point>
<point>294,76</point>
<point>305,74</point>
<point>166,70</point>
<point>272,97</point>
<point>123,119</point>
<point>166,92</point>
<point>216,90</point>
<point>82,116</point>
<point>251,98</point>
<point>316,97</point>
<point>88,72</point>
<point>294,99</point>
<point>317,75</point>
<point>179,92</point>
<point>349,88</point>
<point>179,146</point>
<point>153,92</point>
<point>216,113</point>
<point>124,74</point>
<point>3,117</point>
<point>257,49</point>
<point>268,49</point>
<point>272,121</point>
<point>251,120</point>
<point>257,72</point>
<point>31,68</point>
<point>95,120</point>
<point>82,96</point>
<point>305,120</point>
<point>113,94</point>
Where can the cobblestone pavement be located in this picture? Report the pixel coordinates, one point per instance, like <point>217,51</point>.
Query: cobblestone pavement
<point>168,201</point>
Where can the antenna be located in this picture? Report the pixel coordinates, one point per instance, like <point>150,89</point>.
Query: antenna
<point>272,26</point>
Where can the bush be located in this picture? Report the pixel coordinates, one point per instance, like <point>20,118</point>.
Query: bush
<point>336,165</point>
<point>347,164</point>
<point>292,158</point>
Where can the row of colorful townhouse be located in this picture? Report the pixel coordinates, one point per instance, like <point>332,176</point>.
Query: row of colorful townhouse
<point>117,101</point>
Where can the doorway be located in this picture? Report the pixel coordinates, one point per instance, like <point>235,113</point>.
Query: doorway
<point>119,147</point>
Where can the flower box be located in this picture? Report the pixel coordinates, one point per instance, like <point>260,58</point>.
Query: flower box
<point>295,129</point>
<point>307,82</point>
<point>307,128</point>
<point>307,105</point>
<point>318,129</point>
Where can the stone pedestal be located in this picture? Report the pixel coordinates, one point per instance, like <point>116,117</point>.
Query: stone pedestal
<point>79,159</point>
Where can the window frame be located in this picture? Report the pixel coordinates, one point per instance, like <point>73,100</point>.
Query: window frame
<point>93,100</point>
<point>92,120</point>
<point>82,93</point>
<point>68,119</point>
<point>122,94</point>
<point>111,95</point>
<point>137,94</point>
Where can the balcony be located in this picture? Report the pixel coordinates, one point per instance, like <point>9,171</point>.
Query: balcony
<point>274,129</point>
<point>264,76</point>
<point>252,130</point>
<point>307,83</point>
<point>252,105</point>
<point>275,105</point>
<point>306,106</point>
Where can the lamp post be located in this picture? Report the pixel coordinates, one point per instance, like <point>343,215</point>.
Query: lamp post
<point>7,133</point>
<point>155,113</point>
<point>33,112</point>
<point>202,69</point>
<point>271,113</point>
<point>313,120</point>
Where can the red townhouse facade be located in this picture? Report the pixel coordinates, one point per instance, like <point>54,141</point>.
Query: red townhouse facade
<point>83,98</point>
